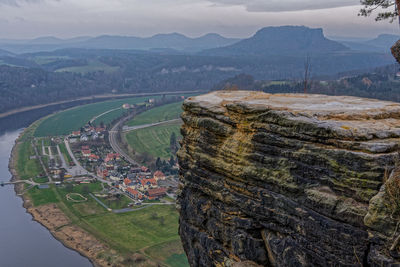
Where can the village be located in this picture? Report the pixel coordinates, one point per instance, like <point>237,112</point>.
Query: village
<point>88,158</point>
<point>137,182</point>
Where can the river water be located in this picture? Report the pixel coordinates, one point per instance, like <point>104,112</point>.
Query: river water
<point>24,242</point>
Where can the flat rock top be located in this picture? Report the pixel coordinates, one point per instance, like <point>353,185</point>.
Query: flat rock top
<point>305,103</point>
<point>361,116</point>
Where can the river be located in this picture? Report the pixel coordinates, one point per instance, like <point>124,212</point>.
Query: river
<point>24,242</point>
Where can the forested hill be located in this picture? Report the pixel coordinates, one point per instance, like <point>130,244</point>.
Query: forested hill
<point>272,54</point>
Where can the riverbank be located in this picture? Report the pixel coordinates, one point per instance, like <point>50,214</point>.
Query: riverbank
<point>146,237</point>
<point>53,219</point>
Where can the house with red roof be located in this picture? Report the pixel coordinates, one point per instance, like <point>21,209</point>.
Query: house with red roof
<point>156,193</point>
<point>86,152</point>
<point>112,156</point>
<point>93,158</point>
<point>134,193</point>
<point>159,175</point>
<point>100,130</point>
<point>85,147</point>
<point>144,169</point>
<point>102,172</point>
<point>76,133</point>
<point>148,183</point>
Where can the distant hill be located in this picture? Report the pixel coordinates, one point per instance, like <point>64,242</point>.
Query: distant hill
<point>5,53</point>
<point>381,44</point>
<point>285,40</point>
<point>164,42</point>
<point>384,41</point>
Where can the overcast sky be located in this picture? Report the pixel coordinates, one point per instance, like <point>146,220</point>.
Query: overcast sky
<point>232,18</point>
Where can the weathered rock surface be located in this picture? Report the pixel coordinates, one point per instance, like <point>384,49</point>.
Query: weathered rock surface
<point>287,180</point>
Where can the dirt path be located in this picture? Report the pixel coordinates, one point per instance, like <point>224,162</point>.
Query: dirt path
<point>132,128</point>
<point>102,114</point>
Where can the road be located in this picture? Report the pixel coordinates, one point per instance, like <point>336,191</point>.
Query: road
<point>22,181</point>
<point>79,167</point>
<point>112,136</point>
<point>132,128</point>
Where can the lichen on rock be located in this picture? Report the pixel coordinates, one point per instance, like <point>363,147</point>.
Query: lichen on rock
<point>287,179</point>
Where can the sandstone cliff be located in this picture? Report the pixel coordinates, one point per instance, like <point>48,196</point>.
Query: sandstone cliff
<point>289,180</point>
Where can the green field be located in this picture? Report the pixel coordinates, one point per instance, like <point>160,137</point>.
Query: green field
<point>139,229</point>
<point>116,204</point>
<point>65,122</point>
<point>162,113</point>
<point>42,196</point>
<point>26,167</point>
<point>169,252</point>
<point>154,140</point>
<point>92,66</point>
<point>153,229</point>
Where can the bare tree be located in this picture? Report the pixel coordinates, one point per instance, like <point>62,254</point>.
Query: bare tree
<point>307,74</point>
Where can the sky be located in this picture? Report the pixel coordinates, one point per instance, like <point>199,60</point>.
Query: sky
<point>20,19</point>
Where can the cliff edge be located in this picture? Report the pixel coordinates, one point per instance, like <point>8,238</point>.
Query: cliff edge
<point>289,180</point>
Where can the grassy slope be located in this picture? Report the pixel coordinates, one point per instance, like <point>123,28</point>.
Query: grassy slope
<point>71,120</point>
<point>154,140</point>
<point>162,113</point>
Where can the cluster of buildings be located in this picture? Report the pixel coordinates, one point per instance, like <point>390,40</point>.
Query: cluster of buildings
<point>142,184</point>
<point>139,183</point>
<point>87,133</point>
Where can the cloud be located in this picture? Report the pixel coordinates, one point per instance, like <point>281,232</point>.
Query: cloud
<point>287,5</point>
<point>17,2</point>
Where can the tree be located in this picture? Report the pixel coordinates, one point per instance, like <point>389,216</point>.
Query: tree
<point>158,163</point>
<point>171,161</point>
<point>371,5</point>
<point>307,73</point>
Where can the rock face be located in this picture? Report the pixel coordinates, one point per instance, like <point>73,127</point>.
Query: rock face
<point>288,180</point>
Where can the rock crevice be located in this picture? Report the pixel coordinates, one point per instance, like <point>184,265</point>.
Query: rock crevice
<point>287,180</point>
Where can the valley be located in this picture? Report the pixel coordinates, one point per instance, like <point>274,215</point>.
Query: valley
<point>114,225</point>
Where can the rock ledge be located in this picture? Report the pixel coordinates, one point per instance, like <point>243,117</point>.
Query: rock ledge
<point>288,180</point>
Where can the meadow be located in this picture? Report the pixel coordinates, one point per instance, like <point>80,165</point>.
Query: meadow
<point>154,140</point>
<point>65,122</point>
<point>152,231</point>
<point>158,114</point>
